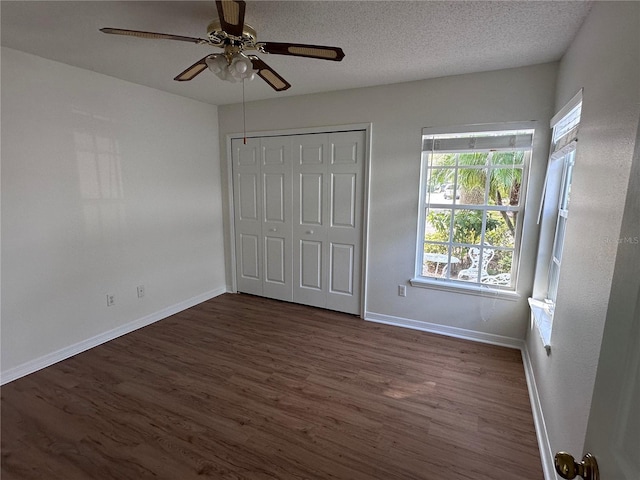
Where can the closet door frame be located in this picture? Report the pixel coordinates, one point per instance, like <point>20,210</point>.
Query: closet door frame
<point>231,238</point>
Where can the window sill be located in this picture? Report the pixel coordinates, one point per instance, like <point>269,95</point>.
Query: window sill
<point>542,316</point>
<point>484,291</point>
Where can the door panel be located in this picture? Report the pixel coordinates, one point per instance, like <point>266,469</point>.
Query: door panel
<point>345,151</point>
<point>275,151</point>
<point>246,155</point>
<point>311,265</point>
<point>248,196</point>
<point>274,254</point>
<point>311,199</point>
<point>342,272</point>
<point>249,264</point>
<point>343,200</point>
<point>312,150</point>
<point>274,195</point>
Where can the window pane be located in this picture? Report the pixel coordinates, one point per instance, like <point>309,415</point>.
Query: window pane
<point>436,259</point>
<point>472,186</point>
<point>467,226</point>
<point>566,186</point>
<point>474,158</point>
<point>500,228</point>
<point>559,240</point>
<point>437,178</point>
<point>554,274</point>
<point>508,158</point>
<point>505,186</point>
<point>499,269</point>
<point>473,265</point>
<point>437,225</point>
<point>443,159</point>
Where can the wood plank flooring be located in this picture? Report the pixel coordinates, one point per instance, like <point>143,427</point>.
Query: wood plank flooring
<point>241,387</point>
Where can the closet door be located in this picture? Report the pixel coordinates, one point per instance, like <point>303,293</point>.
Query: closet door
<point>345,217</point>
<point>298,204</point>
<point>310,228</point>
<point>247,197</point>
<point>327,213</point>
<point>276,217</point>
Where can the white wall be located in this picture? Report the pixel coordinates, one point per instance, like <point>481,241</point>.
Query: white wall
<point>106,185</point>
<point>398,114</point>
<point>604,59</point>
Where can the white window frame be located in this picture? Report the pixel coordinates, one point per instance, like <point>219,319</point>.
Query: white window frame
<point>568,161</point>
<point>557,188</point>
<point>484,144</point>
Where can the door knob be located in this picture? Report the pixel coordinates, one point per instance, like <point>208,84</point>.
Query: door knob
<point>568,468</point>
<point>310,232</point>
<point>273,229</point>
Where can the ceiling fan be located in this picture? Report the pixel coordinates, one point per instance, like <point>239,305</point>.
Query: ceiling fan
<point>234,36</point>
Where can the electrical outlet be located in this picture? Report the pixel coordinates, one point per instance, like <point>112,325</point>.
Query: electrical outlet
<point>402,290</point>
<point>111,299</point>
<point>140,291</point>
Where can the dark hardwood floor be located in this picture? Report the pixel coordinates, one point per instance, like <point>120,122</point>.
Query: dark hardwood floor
<point>242,387</point>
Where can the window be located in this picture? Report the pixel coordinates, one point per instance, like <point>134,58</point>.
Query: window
<point>554,215</point>
<point>472,196</point>
<point>561,161</point>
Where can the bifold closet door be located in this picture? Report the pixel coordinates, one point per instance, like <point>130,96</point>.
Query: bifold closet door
<point>277,219</point>
<point>327,219</point>
<point>298,203</point>
<point>262,215</point>
<point>247,198</point>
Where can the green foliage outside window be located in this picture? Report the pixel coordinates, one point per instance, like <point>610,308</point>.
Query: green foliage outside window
<point>467,229</point>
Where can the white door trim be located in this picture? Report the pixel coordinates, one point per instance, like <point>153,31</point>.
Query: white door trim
<point>367,127</point>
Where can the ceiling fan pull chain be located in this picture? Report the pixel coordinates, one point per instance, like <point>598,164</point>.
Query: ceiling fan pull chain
<point>244,118</point>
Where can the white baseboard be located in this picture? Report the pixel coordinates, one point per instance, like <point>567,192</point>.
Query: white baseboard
<point>66,352</point>
<point>445,330</point>
<point>546,454</point>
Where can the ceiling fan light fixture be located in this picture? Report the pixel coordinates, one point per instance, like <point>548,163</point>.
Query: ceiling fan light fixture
<point>241,68</point>
<point>217,64</point>
<point>238,70</point>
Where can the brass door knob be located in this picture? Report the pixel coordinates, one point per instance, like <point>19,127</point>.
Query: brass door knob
<point>568,468</point>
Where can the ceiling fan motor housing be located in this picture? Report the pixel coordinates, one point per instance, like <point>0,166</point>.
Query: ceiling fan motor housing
<point>217,35</point>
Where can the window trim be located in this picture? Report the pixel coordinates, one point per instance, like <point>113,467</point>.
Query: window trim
<point>461,286</point>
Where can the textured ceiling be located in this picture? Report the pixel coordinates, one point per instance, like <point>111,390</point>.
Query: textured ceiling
<point>384,41</point>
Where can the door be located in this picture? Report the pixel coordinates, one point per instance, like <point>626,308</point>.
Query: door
<point>276,217</point>
<point>247,198</point>
<point>298,212</point>
<point>613,433</point>
<point>327,210</point>
<point>262,199</point>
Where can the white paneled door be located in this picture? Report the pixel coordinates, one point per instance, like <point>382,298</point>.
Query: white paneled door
<point>298,214</point>
<point>262,200</point>
<point>247,197</point>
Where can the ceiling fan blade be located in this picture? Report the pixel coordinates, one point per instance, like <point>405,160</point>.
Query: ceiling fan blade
<point>152,35</point>
<point>231,13</point>
<point>193,71</point>
<point>269,75</point>
<point>301,50</point>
